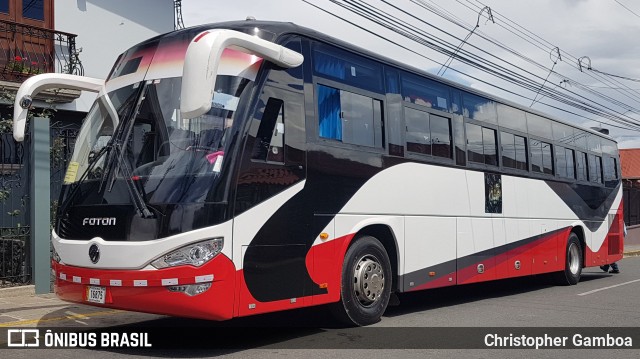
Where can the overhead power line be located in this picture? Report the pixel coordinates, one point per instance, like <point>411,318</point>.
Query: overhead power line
<point>629,10</point>
<point>425,38</point>
<point>448,63</point>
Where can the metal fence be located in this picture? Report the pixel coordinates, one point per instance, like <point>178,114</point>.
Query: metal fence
<point>27,50</point>
<point>631,198</point>
<point>14,213</point>
<point>15,266</point>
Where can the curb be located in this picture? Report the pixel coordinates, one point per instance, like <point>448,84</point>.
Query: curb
<point>20,291</point>
<point>632,253</point>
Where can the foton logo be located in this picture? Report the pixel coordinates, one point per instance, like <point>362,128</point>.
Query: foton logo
<point>105,221</point>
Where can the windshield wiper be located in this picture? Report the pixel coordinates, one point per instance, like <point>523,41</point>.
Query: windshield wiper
<point>134,193</point>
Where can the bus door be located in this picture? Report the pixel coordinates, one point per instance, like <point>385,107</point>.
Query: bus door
<point>269,226</point>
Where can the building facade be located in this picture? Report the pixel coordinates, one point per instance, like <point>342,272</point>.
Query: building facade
<point>630,163</point>
<point>81,37</point>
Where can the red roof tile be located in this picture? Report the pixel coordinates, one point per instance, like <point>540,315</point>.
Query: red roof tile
<point>630,163</point>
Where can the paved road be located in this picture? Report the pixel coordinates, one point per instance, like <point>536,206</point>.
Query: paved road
<point>600,299</point>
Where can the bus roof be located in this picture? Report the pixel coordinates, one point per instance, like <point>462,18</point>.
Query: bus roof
<point>279,29</point>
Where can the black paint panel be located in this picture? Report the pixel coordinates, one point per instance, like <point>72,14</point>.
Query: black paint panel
<point>589,203</point>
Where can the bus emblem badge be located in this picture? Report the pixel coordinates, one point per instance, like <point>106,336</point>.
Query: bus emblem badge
<point>94,253</point>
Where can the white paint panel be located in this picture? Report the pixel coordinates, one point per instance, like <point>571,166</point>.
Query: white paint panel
<point>428,241</point>
<point>499,234</point>
<point>135,255</point>
<point>412,189</point>
<point>482,234</point>
<point>464,238</point>
<point>475,192</point>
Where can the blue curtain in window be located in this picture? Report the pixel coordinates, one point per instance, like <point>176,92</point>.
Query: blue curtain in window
<point>329,113</point>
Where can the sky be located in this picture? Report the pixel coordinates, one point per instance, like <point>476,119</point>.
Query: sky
<point>605,31</point>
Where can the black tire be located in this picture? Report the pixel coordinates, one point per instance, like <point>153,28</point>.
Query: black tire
<point>366,283</point>
<point>573,262</point>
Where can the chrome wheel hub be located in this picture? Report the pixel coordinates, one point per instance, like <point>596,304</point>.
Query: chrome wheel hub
<point>368,280</point>
<point>574,258</point>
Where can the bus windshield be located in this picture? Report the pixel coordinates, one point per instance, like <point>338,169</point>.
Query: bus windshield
<point>170,159</point>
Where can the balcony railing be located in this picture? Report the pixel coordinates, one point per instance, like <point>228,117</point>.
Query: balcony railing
<point>28,50</point>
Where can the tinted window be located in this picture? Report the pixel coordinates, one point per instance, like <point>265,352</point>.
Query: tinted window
<point>581,166</point>
<point>514,154</point>
<point>290,77</point>
<point>561,162</point>
<point>348,117</point>
<point>565,162</point>
<point>428,133</point>
<point>440,136</point>
<point>33,9</point>
<point>395,127</point>
<point>490,146</point>
<point>425,92</point>
<point>481,145</point>
<point>609,147</point>
<point>269,143</point>
<point>610,172</point>
<point>571,169</point>
<point>349,68</point>
<point>563,133</point>
<point>458,133</point>
<point>418,134</point>
<point>456,102</point>
<point>512,118</point>
<point>4,6</point>
<point>547,158</point>
<point>541,158</point>
<point>539,126</point>
<point>595,168</point>
<point>474,143</point>
<point>580,139</point>
<point>593,143</point>
<point>393,85</point>
<point>479,108</point>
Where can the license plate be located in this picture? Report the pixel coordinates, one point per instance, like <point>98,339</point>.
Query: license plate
<point>96,294</point>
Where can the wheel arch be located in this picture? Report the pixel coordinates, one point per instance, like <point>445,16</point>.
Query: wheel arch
<point>385,234</point>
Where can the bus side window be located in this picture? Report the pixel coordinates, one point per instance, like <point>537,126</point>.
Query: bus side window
<point>349,117</point>
<point>269,142</point>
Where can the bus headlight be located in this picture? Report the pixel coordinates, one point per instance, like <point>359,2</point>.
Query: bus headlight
<point>195,254</point>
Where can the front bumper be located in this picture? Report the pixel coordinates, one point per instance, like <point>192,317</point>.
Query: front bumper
<point>147,290</point>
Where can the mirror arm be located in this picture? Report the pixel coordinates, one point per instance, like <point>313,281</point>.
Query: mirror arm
<point>36,84</point>
<point>203,57</point>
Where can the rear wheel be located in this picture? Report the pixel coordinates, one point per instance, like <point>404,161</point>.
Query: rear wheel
<point>573,262</point>
<point>366,283</point>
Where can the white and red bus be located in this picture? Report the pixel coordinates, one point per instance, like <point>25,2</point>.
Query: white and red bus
<point>249,167</point>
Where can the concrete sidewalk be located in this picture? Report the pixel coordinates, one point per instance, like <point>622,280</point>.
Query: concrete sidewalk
<point>20,307</point>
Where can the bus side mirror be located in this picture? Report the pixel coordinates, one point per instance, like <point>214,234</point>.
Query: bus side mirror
<point>203,57</point>
<point>34,85</point>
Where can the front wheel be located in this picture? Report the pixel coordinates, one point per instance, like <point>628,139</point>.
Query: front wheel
<point>366,283</point>
<point>573,262</point>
